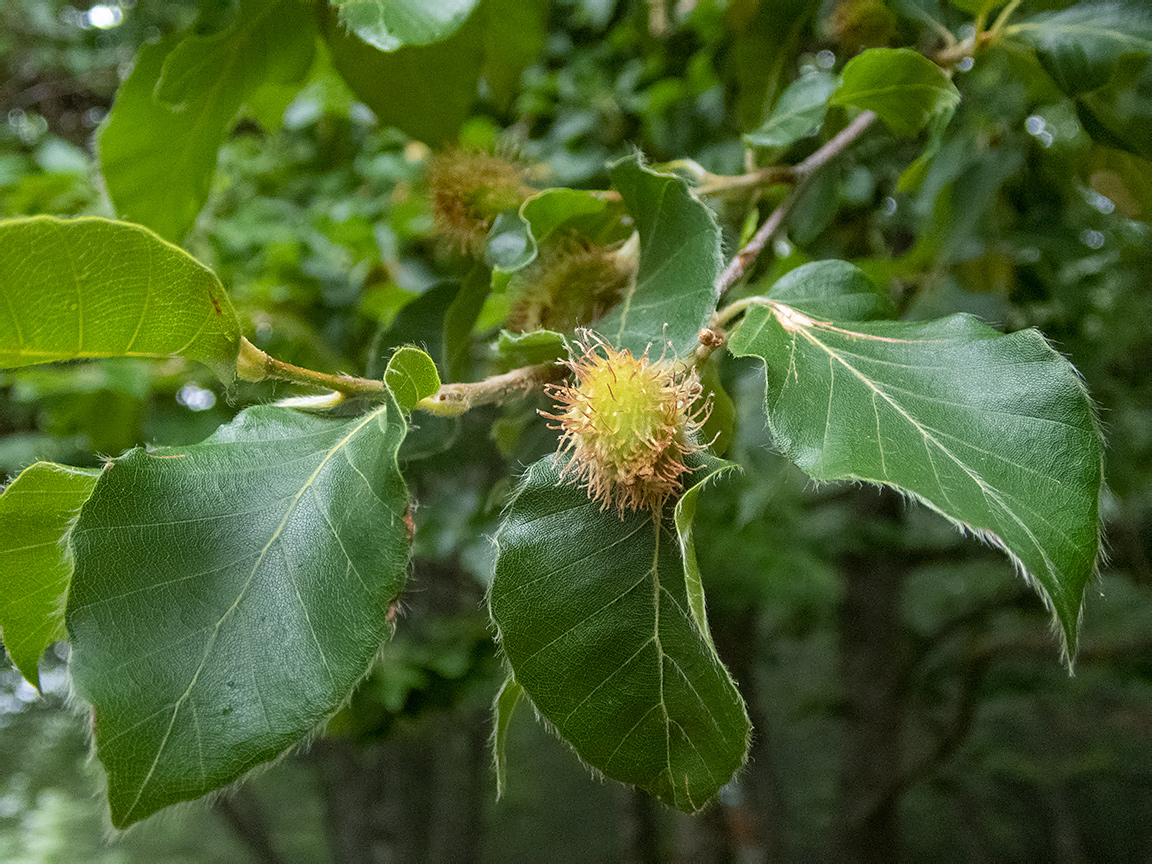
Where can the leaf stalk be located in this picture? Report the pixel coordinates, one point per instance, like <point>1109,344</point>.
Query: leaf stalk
<point>451,400</point>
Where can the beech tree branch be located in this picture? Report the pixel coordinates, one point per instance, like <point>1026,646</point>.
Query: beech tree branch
<point>252,364</point>
<point>716,184</point>
<point>802,175</point>
<point>451,400</point>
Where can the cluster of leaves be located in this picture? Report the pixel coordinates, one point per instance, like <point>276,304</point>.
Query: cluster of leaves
<point>223,599</point>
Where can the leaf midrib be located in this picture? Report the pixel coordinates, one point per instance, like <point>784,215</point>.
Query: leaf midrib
<point>989,492</point>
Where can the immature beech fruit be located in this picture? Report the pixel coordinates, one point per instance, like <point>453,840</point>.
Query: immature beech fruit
<point>468,191</point>
<point>628,422</point>
<point>572,281</point>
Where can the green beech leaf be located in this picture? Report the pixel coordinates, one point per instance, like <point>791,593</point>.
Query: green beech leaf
<point>503,708</point>
<point>798,114</point>
<point>392,24</point>
<point>426,91</point>
<point>411,376</point>
<point>994,431</point>
<point>912,176</point>
<point>596,619</point>
<point>675,291</point>
<point>1101,55</point>
<point>902,86</point>
<point>1087,45</point>
<point>158,146</point>
<point>526,349</point>
<point>82,288</point>
<point>1120,114</point>
<point>37,512</point>
<point>244,52</point>
<point>682,517</point>
<point>229,595</point>
<point>832,289</point>
<point>515,237</point>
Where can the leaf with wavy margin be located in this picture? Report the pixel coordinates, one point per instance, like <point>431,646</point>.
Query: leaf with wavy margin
<point>996,432</point>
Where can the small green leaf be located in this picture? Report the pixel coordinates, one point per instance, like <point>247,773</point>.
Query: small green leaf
<point>514,239</point>
<point>228,596</point>
<point>158,145</point>
<point>392,24</point>
<point>37,512</point>
<point>993,431</point>
<point>459,320</point>
<point>914,174</point>
<point>503,708</point>
<point>595,618</point>
<point>799,113</point>
<point>426,91</point>
<point>510,246</point>
<point>675,291</point>
<point>82,288</point>
<point>683,515</point>
<point>526,349</point>
<point>832,289</point>
<point>902,86</point>
<point>411,376</point>
<point>1088,45</point>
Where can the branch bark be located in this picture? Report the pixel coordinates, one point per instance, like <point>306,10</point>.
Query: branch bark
<point>802,175</point>
<point>451,400</point>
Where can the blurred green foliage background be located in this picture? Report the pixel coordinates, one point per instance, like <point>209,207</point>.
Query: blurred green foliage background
<point>907,695</point>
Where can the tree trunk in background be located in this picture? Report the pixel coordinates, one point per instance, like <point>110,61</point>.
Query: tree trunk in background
<point>378,799</point>
<point>243,814</point>
<point>461,761</point>
<point>754,817</point>
<point>639,833</point>
<point>872,666</point>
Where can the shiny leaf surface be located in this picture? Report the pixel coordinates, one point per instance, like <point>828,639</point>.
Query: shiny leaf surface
<point>596,618</point>
<point>392,24</point>
<point>1087,45</point>
<point>798,114</point>
<point>229,595</point>
<point>397,85</point>
<point>902,86</point>
<point>81,288</point>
